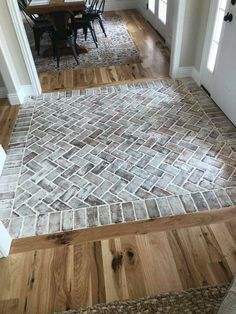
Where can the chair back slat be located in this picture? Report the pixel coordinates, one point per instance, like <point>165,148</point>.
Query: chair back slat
<point>97,6</point>
<point>101,6</point>
<point>23,4</point>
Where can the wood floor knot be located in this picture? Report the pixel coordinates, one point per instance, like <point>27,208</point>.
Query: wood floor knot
<point>131,256</point>
<point>61,239</point>
<point>117,262</point>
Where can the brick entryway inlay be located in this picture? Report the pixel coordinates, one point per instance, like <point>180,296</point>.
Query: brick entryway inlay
<point>116,154</point>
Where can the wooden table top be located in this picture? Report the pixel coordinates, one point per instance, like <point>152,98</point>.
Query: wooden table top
<point>55,5</point>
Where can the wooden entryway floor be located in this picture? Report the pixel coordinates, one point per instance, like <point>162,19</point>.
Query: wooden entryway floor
<point>8,116</point>
<point>155,63</point>
<point>128,267</point>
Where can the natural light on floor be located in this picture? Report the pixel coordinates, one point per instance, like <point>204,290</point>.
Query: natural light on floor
<point>151,5</point>
<point>216,35</point>
<point>162,12</point>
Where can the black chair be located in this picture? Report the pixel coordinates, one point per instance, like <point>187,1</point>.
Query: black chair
<point>39,24</point>
<point>63,33</point>
<point>95,12</point>
<point>85,24</point>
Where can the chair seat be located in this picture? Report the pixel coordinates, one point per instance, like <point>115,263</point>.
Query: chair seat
<point>42,24</point>
<point>81,21</point>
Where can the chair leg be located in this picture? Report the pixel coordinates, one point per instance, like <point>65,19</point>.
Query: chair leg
<point>70,41</point>
<point>75,38</point>
<point>85,31</point>
<point>37,37</point>
<point>56,43</point>
<point>54,50</point>
<point>92,31</point>
<point>102,26</point>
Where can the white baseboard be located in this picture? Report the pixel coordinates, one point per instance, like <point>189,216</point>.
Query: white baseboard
<point>24,91</point>
<point>113,5</point>
<point>188,72</point>
<point>2,158</point>
<point>5,241</point>
<point>168,41</point>
<point>3,92</point>
<point>28,90</point>
<point>184,72</point>
<point>196,76</point>
<point>16,99</point>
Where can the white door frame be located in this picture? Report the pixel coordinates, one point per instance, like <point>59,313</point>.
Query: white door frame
<point>208,38</point>
<point>177,37</point>
<point>5,241</point>
<point>24,45</point>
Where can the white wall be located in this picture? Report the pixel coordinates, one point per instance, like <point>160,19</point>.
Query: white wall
<point>195,24</point>
<point>12,64</point>
<point>1,81</point>
<point>202,27</point>
<point>13,44</point>
<point>112,5</point>
<point>3,92</point>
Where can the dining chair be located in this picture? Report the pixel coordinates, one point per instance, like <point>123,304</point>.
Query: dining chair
<point>95,13</point>
<point>63,32</point>
<point>83,22</point>
<point>39,24</point>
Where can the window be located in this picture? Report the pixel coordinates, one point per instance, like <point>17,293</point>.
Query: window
<point>162,11</point>
<point>216,35</point>
<point>151,5</point>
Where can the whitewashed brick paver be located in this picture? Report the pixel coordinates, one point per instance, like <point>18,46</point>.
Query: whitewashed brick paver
<point>116,154</point>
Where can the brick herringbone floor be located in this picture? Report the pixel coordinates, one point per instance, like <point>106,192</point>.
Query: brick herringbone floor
<point>93,157</point>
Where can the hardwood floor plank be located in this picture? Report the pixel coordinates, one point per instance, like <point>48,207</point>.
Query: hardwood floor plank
<point>8,115</point>
<point>225,240</point>
<point>114,272</point>
<point>133,267</point>
<point>82,271</point>
<point>9,306</point>
<point>164,266</point>
<point>120,268</point>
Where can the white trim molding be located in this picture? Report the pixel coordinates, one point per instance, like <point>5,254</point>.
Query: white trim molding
<point>184,72</point>
<point>206,81</point>
<point>8,70</point>
<point>3,92</point>
<point>188,72</point>
<point>5,241</point>
<point>23,92</point>
<point>196,76</point>
<point>114,5</point>
<point>25,48</point>
<point>2,158</point>
<point>177,37</point>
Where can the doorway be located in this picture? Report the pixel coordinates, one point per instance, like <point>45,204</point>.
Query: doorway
<point>20,32</point>
<point>219,65</point>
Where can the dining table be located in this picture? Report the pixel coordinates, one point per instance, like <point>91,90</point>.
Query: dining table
<point>47,7</point>
<point>42,7</point>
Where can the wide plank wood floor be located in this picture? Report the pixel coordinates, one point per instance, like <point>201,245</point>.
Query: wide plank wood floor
<point>128,267</point>
<point>155,63</point>
<point>8,115</point>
